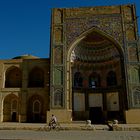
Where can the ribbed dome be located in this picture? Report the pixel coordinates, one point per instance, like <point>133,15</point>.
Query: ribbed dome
<point>26,56</point>
<point>95,48</point>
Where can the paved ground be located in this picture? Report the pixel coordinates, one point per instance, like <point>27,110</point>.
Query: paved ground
<point>30,131</point>
<point>68,135</point>
<point>37,126</point>
<point>66,126</point>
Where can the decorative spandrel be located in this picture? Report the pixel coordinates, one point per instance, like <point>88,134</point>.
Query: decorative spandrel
<point>109,24</point>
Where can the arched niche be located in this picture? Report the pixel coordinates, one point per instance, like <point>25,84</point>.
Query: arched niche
<point>36,77</point>
<point>13,77</point>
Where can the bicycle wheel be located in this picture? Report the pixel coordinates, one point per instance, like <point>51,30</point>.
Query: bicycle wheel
<point>58,127</point>
<point>47,127</point>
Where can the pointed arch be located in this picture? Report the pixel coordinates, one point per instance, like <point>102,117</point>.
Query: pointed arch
<point>93,51</point>
<point>58,97</point>
<point>98,31</point>
<point>94,80</point>
<point>11,108</point>
<point>36,77</point>
<point>35,108</point>
<point>13,77</point>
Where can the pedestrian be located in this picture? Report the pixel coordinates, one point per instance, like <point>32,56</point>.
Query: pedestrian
<point>113,126</point>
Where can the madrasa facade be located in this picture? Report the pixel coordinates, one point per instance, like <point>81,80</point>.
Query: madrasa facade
<point>93,71</point>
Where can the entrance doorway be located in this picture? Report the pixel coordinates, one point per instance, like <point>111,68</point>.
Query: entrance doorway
<point>14,115</point>
<point>36,118</point>
<point>95,115</point>
<point>35,111</point>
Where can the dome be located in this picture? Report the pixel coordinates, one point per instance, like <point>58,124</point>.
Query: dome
<point>95,48</point>
<point>26,56</point>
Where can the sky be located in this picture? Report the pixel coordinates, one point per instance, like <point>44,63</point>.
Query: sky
<point>25,24</point>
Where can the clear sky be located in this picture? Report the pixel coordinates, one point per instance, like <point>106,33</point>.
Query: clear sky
<point>25,24</point>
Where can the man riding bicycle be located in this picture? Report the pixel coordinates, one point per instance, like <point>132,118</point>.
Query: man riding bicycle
<point>53,122</point>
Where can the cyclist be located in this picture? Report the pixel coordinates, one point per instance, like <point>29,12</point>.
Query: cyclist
<point>53,121</point>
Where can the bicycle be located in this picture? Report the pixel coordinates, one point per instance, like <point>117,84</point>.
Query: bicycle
<point>55,126</point>
<point>51,126</point>
<point>46,127</point>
